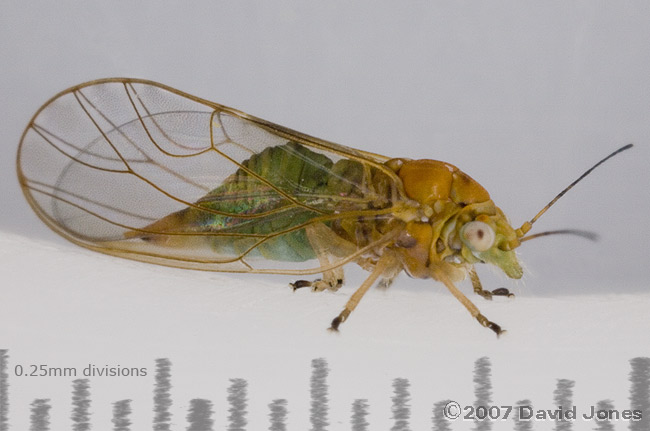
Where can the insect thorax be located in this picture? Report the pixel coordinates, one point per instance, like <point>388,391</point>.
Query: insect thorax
<point>450,199</point>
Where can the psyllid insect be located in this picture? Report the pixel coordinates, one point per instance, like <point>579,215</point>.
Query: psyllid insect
<point>136,169</point>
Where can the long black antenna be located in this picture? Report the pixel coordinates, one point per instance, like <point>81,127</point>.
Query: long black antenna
<point>592,236</point>
<point>527,225</point>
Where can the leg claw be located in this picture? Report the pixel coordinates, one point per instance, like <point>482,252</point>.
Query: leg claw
<point>493,326</point>
<point>299,284</point>
<point>502,291</point>
<point>338,320</point>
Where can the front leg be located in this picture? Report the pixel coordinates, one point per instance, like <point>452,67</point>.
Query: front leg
<point>478,287</point>
<point>473,310</point>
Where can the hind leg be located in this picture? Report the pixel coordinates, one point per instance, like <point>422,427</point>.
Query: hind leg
<point>320,238</point>
<point>332,280</point>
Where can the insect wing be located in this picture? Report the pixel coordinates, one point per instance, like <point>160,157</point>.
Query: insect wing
<point>143,171</point>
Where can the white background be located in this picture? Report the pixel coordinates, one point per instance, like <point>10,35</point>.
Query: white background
<point>523,96</point>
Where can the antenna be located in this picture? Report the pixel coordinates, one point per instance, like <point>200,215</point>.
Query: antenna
<point>577,232</point>
<point>529,224</point>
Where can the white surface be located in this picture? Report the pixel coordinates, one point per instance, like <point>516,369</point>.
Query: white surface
<point>522,96</point>
<point>67,307</point>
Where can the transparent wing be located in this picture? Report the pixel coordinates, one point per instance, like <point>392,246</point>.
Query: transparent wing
<point>143,171</point>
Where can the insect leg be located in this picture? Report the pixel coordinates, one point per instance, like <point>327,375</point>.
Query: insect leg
<point>473,310</point>
<point>478,287</point>
<point>389,275</point>
<point>386,264</point>
<point>332,279</point>
<point>385,282</point>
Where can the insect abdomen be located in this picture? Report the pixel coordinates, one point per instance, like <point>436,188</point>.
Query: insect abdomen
<point>264,185</point>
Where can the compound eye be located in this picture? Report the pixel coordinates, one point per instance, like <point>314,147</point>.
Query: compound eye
<point>478,235</point>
